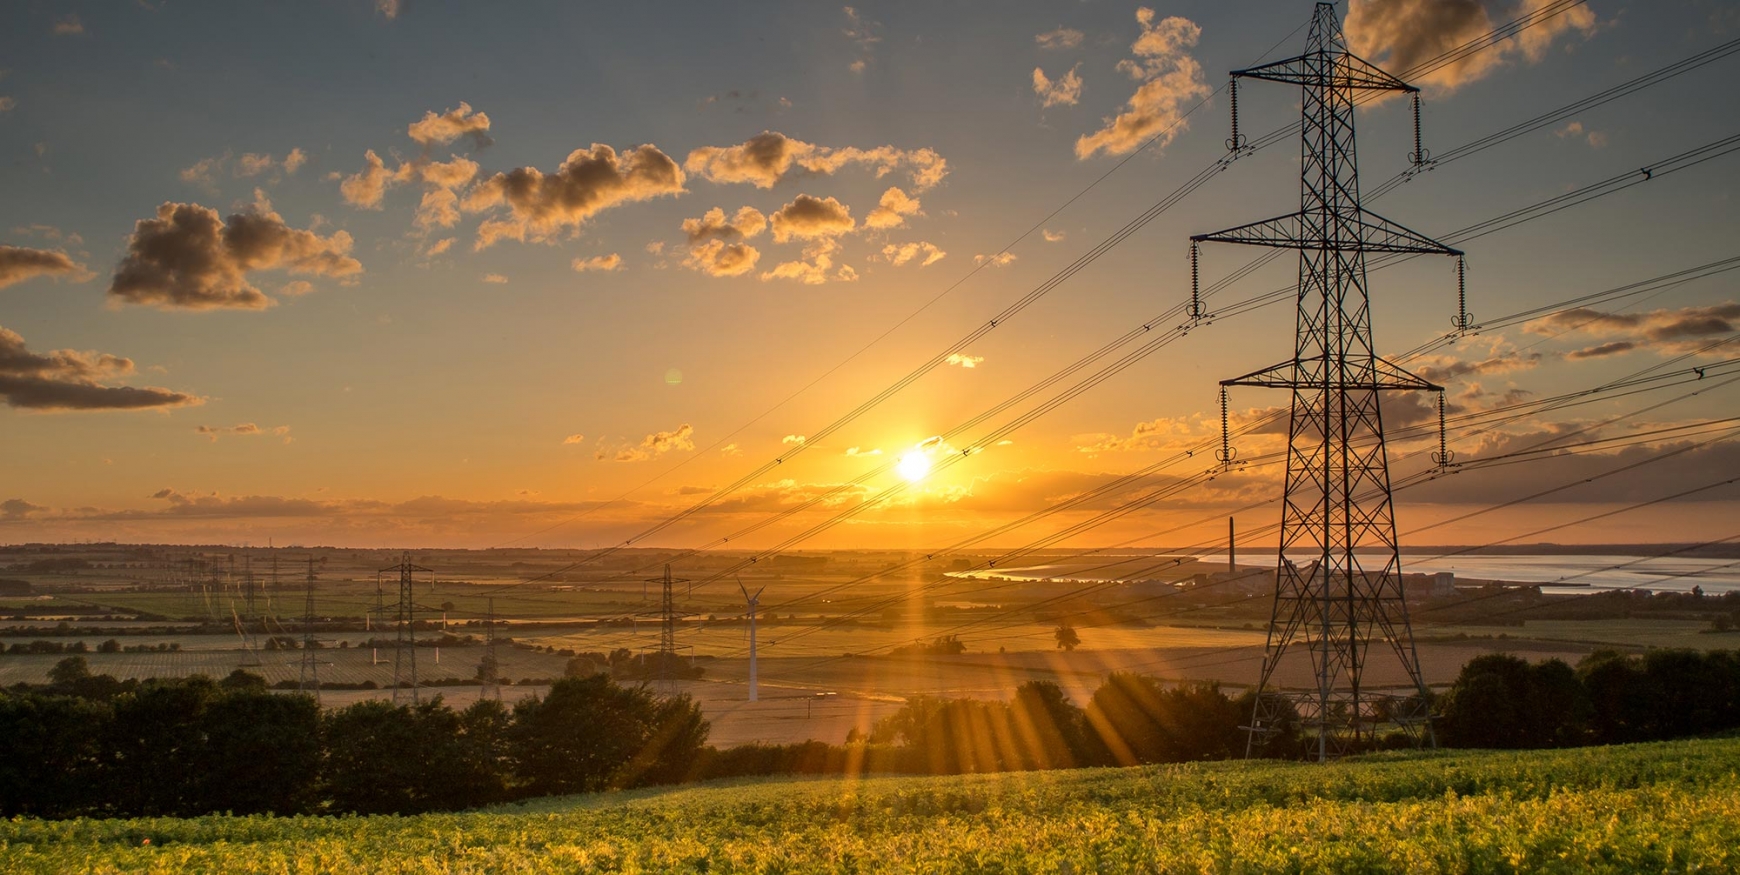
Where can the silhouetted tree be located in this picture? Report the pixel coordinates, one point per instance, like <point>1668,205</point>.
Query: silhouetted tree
<point>591,733</point>
<point>1066,636</point>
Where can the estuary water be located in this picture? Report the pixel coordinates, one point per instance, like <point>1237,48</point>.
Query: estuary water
<point>1564,572</point>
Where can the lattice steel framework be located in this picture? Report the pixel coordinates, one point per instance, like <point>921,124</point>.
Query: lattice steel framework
<point>308,677</point>
<point>405,646</point>
<point>1337,517</point>
<point>489,670</point>
<point>669,661</point>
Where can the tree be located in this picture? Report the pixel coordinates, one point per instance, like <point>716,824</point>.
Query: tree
<point>1139,719</point>
<point>1050,731</point>
<point>51,755</point>
<point>591,733</point>
<point>1067,639</point>
<point>69,672</point>
<point>1501,701</point>
<point>263,754</point>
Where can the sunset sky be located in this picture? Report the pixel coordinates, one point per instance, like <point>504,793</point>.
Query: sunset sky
<point>542,274</point>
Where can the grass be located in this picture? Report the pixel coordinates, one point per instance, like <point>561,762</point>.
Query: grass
<point>1669,807</point>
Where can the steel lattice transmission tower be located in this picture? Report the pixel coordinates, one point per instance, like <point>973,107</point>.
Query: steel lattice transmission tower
<point>405,646</point>
<point>667,659</point>
<point>489,670</point>
<point>308,678</point>
<point>1338,584</point>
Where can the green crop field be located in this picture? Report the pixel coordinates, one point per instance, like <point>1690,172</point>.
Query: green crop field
<point>1667,807</point>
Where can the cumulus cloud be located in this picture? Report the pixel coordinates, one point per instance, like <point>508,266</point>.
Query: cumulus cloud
<point>716,246</point>
<point>926,254</point>
<point>892,210</point>
<point>1401,34</point>
<point>1061,38</point>
<point>809,218</point>
<point>20,263</point>
<point>439,130</point>
<point>69,379</point>
<point>439,207</point>
<point>746,223</point>
<point>770,157</point>
<point>1001,259</point>
<point>814,270</point>
<point>1170,79</point>
<point>187,258</point>
<point>720,259</point>
<point>966,361</point>
<point>606,263</point>
<point>653,445</point>
<point>1062,91</point>
<point>590,181</point>
<point>365,188</point>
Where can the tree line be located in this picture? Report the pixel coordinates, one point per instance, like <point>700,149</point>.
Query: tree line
<point>1502,701</point>
<point>89,745</point>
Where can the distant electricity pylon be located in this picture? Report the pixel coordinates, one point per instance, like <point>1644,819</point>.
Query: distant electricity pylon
<point>308,679</point>
<point>667,659</point>
<point>1337,515</point>
<point>754,601</point>
<point>489,671</point>
<point>405,646</point>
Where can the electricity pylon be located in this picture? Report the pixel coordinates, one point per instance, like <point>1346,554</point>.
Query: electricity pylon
<point>405,646</point>
<point>668,617</point>
<point>489,671</point>
<point>308,679</point>
<point>1337,515</point>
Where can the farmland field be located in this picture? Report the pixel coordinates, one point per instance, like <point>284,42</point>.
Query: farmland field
<point>1667,807</point>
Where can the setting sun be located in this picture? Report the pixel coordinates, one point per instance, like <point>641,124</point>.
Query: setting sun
<point>913,466</point>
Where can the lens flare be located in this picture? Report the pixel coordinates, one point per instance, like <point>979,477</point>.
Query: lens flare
<point>913,466</point>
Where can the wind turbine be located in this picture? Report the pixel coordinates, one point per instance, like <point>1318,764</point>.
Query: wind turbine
<point>753,600</point>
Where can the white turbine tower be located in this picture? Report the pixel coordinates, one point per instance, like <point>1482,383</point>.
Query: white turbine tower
<point>753,600</point>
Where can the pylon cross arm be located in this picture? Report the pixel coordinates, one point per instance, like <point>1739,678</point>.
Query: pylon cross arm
<point>1345,70</point>
<point>1304,374</point>
<point>1302,230</point>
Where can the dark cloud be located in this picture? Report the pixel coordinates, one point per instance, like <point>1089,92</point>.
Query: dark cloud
<point>68,379</point>
<point>541,206</point>
<point>1671,331</point>
<point>18,508</point>
<point>19,263</point>
<point>188,259</point>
